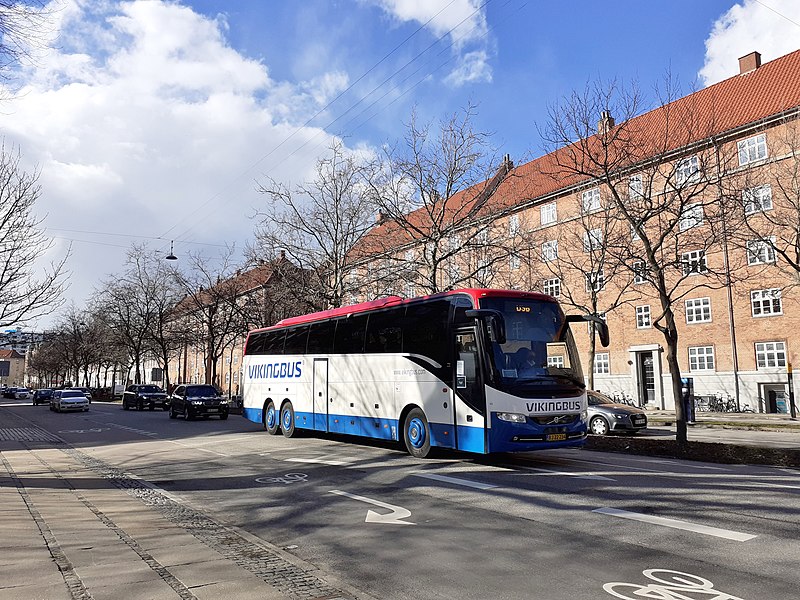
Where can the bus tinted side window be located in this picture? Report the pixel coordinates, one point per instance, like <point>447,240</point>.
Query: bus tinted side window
<point>384,333</point>
<point>320,337</point>
<point>425,330</point>
<point>273,342</point>
<point>255,343</point>
<point>350,335</point>
<point>296,340</point>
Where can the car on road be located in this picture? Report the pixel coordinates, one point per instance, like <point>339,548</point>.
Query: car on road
<point>197,400</point>
<point>42,396</point>
<point>21,393</point>
<point>69,399</point>
<point>141,396</point>
<point>606,416</point>
<point>86,392</point>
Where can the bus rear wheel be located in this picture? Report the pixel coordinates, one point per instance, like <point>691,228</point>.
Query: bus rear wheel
<point>272,421</point>
<point>287,420</point>
<point>417,434</point>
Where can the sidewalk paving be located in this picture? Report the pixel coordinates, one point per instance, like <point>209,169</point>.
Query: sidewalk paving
<point>75,528</point>
<point>779,421</point>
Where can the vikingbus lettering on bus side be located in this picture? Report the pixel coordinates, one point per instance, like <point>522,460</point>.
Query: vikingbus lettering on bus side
<point>278,370</point>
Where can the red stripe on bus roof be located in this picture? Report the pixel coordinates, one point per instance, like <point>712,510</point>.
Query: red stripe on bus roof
<point>364,307</point>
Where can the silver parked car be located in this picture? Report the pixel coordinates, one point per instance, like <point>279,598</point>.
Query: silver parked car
<point>63,400</point>
<point>605,415</point>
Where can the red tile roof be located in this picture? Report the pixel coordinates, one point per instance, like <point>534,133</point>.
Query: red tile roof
<point>9,354</point>
<point>743,99</point>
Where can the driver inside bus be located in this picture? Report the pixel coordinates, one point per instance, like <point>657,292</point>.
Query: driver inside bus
<point>528,363</point>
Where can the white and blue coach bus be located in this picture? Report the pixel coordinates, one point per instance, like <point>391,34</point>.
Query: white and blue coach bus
<point>477,370</point>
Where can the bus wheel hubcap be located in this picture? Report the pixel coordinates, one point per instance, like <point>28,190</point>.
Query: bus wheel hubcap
<point>270,417</point>
<point>416,433</point>
<point>287,419</point>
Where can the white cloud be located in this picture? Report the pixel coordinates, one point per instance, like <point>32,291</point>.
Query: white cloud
<point>771,27</point>
<point>144,121</point>
<point>473,68</point>
<point>463,22</point>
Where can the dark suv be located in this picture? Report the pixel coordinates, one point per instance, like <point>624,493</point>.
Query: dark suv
<point>197,400</point>
<point>42,396</point>
<point>139,396</point>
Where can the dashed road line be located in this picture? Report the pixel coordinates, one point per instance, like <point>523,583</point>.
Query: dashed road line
<point>676,524</point>
<point>455,480</point>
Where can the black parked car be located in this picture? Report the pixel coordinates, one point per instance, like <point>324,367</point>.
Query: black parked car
<point>197,400</point>
<point>139,396</point>
<point>42,396</point>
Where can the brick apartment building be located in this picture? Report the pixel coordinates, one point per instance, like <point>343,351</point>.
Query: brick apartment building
<point>12,368</point>
<point>726,157</point>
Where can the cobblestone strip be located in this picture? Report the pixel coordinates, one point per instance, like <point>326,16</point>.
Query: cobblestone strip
<point>74,584</point>
<point>288,578</point>
<point>151,562</point>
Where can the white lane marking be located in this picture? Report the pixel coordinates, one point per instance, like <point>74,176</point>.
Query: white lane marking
<point>318,461</point>
<point>393,518</point>
<point>455,480</point>
<point>198,448</point>
<point>567,474</point>
<point>663,461</point>
<point>676,524</point>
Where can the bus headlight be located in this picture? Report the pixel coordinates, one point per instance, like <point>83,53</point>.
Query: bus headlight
<point>511,417</point>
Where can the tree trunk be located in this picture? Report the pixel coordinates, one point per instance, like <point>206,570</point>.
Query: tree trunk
<point>671,337</point>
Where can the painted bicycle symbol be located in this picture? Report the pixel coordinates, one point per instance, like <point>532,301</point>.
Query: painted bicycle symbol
<point>670,585</point>
<point>287,479</point>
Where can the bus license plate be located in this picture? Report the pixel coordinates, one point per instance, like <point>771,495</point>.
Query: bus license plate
<point>555,437</point>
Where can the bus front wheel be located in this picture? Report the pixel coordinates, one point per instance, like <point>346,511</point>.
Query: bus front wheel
<point>417,434</point>
<point>271,419</point>
<point>287,420</point>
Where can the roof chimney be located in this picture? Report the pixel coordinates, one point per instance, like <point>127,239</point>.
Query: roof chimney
<point>605,123</point>
<point>283,255</point>
<point>749,62</point>
<point>380,218</point>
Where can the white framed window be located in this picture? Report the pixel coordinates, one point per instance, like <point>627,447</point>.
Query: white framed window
<point>550,250</point>
<point>409,256</point>
<point>454,242</point>
<point>555,361</point>
<point>595,281</point>
<point>752,149</point>
<point>701,358</point>
<point>227,377</point>
<point>514,261</point>
<point>513,225</point>
<point>483,236</point>
<point>692,216</point>
<point>767,302</point>
<point>687,169</point>
<point>552,287</point>
<point>592,239</point>
<point>698,310</point>
<point>757,199</point>
<point>548,213</point>
<point>590,200</point>
<point>770,354</point>
<point>635,188</point>
<point>410,289</point>
<point>590,325</point>
<point>635,237</point>
<point>643,317</point>
<point>761,252</point>
<point>639,272</point>
<point>602,364</point>
<point>694,262</point>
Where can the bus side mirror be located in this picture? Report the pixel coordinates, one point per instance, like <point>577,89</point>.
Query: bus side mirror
<point>600,326</point>
<point>495,323</point>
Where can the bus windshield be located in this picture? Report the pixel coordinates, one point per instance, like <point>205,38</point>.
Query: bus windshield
<point>539,346</point>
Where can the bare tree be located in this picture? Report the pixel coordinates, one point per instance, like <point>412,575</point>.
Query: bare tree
<point>23,28</point>
<point>24,294</point>
<point>661,174</point>
<point>439,228</point>
<point>210,306</point>
<point>587,275</point>
<point>316,226</point>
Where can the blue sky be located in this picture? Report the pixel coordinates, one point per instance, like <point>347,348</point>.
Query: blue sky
<point>153,120</point>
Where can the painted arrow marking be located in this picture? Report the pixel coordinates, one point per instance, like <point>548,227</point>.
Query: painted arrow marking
<point>393,518</point>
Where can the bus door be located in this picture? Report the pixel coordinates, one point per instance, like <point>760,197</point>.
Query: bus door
<point>320,394</point>
<point>470,405</point>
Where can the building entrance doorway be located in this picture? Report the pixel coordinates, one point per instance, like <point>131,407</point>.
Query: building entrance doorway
<point>774,399</point>
<point>646,378</point>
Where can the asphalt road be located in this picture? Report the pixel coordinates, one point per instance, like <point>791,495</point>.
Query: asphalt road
<point>570,524</point>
